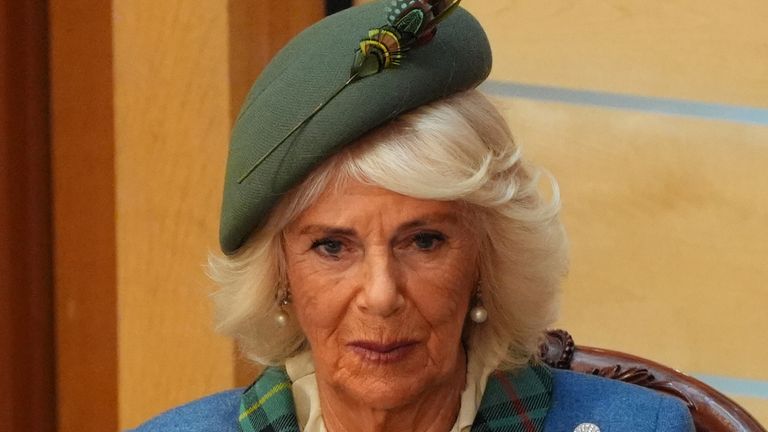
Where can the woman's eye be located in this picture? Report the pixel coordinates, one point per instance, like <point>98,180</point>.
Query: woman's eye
<point>328,247</point>
<point>428,241</point>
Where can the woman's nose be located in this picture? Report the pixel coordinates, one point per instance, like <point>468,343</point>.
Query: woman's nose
<point>380,292</point>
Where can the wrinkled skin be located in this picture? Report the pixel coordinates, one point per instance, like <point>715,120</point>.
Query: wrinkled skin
<point>381,284</point>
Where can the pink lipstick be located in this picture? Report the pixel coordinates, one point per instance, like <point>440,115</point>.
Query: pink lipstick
<point>382,352</point>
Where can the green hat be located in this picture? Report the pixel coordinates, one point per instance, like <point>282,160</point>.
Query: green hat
<point>334,82</point>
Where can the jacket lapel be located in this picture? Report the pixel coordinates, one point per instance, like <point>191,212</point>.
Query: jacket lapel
<point>515,401</point>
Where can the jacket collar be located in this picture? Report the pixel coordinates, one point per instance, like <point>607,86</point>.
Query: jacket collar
<point>513,401</point>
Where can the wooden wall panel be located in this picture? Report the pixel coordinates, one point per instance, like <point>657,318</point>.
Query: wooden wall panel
<point>755,406</point>
<point>182,70</point>
<point>171,130</point>
<point>26,293</point>
<point>666,217</point>
<point>143,99</point>
<point>257,30</point>
<point>84,214</point>
<point>705,50</point>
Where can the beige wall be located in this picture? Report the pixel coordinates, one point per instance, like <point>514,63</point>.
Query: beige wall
<point>181,71</point>
<point>666,214</point>
<point>171,129</point>
<point>708,50</point>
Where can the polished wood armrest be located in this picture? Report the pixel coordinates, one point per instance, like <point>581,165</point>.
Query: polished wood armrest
<point>711,410</point>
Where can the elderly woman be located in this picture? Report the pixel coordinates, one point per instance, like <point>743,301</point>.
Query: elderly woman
<point>387,251</point>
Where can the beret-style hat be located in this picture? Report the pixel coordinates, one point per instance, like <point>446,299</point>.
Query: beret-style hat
<point>306,105</point>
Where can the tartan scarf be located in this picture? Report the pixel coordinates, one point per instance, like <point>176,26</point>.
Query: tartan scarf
<point>512,402</point>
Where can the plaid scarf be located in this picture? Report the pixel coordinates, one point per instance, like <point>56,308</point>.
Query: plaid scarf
<point>513,402</point>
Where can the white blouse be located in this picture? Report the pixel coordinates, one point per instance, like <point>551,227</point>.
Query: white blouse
<point>301,370</point>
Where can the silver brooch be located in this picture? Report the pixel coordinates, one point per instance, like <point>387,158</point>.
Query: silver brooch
<point>587,427</point>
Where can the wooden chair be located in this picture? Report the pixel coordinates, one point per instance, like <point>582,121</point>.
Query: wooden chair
<point>711,410</point>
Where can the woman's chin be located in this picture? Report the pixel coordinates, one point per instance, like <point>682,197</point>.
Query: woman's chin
<point>381,394</point>
<point>386,381</point>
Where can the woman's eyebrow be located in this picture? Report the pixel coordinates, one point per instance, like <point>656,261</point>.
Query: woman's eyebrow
<point>427,219</point>
<point>430,219</point>
<point>327,230</point>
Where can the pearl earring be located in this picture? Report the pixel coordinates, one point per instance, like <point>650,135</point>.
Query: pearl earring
<point>281,318</point>
<point>478,314</point>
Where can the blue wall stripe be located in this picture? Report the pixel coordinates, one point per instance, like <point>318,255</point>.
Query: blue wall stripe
<point>736,386</point>
<point>733,113</point>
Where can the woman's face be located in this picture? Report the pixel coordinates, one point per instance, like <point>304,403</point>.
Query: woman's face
<point>381,284</point>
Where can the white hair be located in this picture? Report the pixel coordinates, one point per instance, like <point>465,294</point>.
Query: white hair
<point>457,149</point>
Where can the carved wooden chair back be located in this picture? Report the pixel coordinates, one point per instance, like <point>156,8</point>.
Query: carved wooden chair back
<point>711,410</point>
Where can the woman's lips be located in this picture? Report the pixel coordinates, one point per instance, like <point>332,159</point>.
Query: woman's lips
<point>382,352</point>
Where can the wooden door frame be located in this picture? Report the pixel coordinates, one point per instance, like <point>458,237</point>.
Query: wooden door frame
<point>26,318</point>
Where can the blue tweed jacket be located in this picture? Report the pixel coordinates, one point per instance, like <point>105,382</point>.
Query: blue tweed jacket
<point>576,399</point>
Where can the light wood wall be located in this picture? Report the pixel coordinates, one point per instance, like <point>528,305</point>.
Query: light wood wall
<point>666,214</point>
<point>182,69</point>
<point>707,50</point>
<point>667,231</point>
<point>171,128</point>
